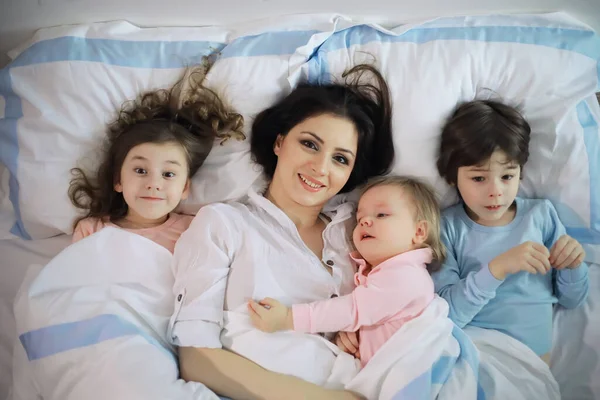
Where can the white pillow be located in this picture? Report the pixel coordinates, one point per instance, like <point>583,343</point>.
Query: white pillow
<point>67,83</point>
<point>548,65</point>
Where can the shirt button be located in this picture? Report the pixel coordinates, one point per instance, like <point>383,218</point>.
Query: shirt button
<point>329,262</point>
<point>179,297</point>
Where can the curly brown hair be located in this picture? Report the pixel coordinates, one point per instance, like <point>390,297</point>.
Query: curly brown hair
<point>188,114</point>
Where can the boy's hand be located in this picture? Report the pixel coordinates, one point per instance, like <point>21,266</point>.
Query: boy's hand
<point>348,343</point>
<point>269,315</point>
<point>566,253</point>
<point>530,257</point>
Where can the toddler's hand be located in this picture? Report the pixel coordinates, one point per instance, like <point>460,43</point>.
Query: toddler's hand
<point>566,253</point>
<point>269,315</point>
<point>530,257</point>
<point>348,342</point>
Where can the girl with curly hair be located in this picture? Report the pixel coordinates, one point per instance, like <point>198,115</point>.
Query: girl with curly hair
<point>155,146</point>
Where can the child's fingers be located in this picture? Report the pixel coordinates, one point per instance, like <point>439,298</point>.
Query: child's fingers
<point>353,337</point>
<point>539,262</point>
<point>558,248</point>
<point>578,260</point>
<point>571,260</point>
<point>563,261</point>
<point>350,347</point>
<point>256,308</point>
<point>269,302</point>
<point>530,268</point>
<point>552,253</point>
<point>251,306</point>
<point>540,248</point>
<point>340,344</point>
<point>564,254</point>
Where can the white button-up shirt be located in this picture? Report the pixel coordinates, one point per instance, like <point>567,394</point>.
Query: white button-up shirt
<point>233,252</point>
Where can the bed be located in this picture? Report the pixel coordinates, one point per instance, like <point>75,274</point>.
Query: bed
<point>473,62</point>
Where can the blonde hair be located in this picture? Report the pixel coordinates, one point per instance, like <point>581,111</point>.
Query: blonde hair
<point>426,209</point>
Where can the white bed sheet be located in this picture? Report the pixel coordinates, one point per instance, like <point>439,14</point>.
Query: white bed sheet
<point>575,358</point>
<point>576,353</point>
<point>16,255</point>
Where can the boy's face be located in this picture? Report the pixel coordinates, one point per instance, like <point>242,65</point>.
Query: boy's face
<point>386,225</point>
<point>489,189</point>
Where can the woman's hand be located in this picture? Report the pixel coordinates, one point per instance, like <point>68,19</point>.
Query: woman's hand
<point>269,315</point>
<point>348,342</point>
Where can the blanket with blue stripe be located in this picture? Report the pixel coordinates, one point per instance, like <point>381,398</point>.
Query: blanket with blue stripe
<point>90,318</point>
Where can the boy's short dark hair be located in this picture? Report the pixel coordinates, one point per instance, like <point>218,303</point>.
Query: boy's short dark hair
<point>478,128</point>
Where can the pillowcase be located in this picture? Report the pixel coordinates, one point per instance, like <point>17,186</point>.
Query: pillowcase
<point>67,83</point>
<point>547,65</point>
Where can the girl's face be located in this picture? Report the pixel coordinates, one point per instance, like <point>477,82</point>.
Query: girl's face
<point>489,189</point>
<point>154,179</point>
<point>386,224</point>
<point>315,159</point>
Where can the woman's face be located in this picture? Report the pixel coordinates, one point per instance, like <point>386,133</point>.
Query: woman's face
<point>315,159</point>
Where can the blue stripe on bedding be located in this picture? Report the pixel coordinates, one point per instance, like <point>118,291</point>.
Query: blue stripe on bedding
<point>591,137</point>
<point>147,54</point>
<point>55,339</point>
<point>442,369</point>
<point>470,354</point>
<point>267,44</point>
<point>417,389</point>
<point>9,146</point>
<point>157,54</point>
<point>584,42</point>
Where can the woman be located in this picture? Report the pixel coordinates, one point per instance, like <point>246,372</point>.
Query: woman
<point>284,243</point>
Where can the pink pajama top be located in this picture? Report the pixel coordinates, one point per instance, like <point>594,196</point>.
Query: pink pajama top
<point>392,293</point>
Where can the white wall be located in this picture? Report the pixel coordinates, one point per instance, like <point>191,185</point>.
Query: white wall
<point>19,18</point>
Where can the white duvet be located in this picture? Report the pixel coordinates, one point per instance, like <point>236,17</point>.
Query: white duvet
<point>92,325</point>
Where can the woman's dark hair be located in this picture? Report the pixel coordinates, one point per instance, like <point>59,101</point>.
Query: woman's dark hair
<point>478,128</point>
<point>188,114</point>
<point>367,105</point>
